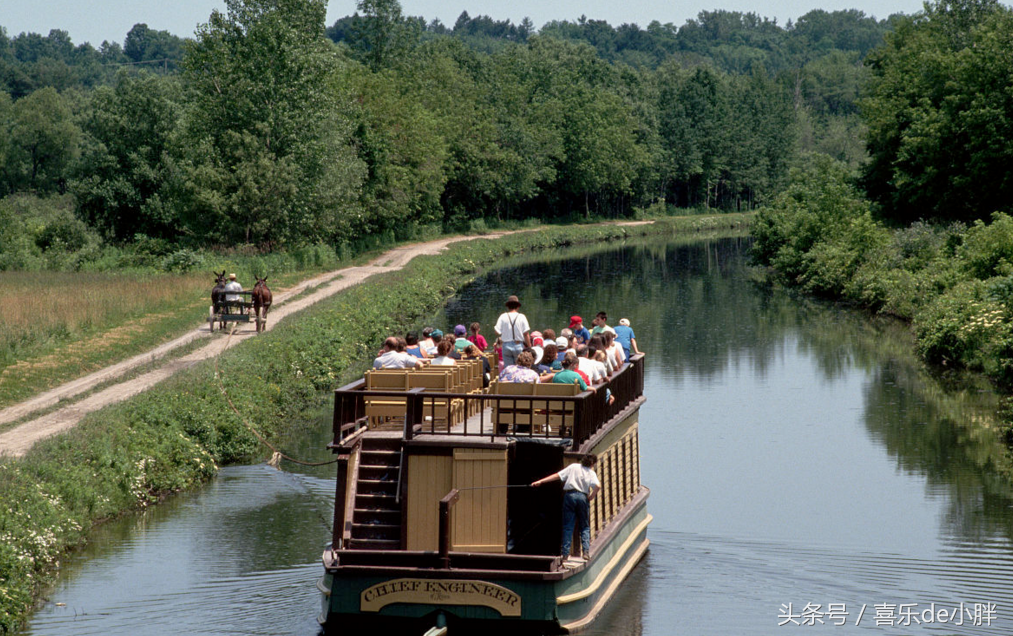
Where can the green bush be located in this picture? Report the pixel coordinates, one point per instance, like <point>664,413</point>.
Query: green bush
<point>987,250</point>
<point>818,206</point>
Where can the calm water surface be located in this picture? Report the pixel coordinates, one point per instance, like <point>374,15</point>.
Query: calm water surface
<point>797,455</point>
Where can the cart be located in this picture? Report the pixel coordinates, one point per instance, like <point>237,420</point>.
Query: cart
<point>241,310</point>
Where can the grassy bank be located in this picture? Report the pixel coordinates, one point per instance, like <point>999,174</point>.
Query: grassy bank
<point>177,434</point>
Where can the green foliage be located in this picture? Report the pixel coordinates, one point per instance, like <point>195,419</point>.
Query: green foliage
<point>382,35</point>
<point>939,114</point>
<point>987,250</point>
<point>819,207</point>
<point>267,159</point>
<point>41,142</point>
<point>43,233</point>
<point>124,172</point>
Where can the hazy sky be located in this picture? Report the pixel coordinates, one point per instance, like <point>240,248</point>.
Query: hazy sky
<point>97,20</point>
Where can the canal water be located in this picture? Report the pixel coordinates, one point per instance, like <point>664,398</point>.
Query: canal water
<point>808,476</point>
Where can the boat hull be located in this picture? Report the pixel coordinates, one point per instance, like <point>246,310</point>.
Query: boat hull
<point>359,599</point>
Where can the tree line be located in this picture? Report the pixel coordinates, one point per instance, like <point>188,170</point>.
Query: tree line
<point>269,128</point>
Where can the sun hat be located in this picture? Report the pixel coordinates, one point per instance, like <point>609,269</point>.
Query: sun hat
<point>562,342</point>
<point>513,301</point>
<point>575,320</point>
<point>460,330</point>
<point>624,322</point>
<point>232,277</point>
<point>437,333</point>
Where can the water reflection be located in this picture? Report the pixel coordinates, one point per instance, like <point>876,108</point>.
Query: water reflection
<point>797,453</point>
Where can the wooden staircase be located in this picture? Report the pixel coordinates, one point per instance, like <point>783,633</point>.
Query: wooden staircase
<point>376,518</point>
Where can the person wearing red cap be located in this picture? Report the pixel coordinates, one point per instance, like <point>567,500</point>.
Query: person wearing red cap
<point>582,335</point>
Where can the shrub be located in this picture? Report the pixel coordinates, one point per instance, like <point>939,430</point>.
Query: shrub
<point>987,250</point>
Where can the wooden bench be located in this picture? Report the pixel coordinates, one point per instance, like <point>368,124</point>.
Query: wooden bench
<point>539,416</point>
<point>381,410</point>
<point>443,411</point>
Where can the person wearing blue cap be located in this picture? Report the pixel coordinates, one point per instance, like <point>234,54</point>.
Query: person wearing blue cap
<point>460,342</point>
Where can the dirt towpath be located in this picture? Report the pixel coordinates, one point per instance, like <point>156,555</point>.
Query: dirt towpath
<point>18,440</point>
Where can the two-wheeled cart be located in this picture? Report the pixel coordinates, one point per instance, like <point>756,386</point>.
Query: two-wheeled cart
<point>240,310</point>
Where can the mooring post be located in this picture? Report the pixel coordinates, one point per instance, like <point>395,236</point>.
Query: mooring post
<point>445,505</point>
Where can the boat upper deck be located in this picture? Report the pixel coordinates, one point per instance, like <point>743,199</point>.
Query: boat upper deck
<point>448,405</point>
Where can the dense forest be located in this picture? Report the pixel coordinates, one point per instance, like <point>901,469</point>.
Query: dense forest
<point>268,128</point>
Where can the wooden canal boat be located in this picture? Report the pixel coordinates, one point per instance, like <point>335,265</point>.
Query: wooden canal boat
<point>425,532</point>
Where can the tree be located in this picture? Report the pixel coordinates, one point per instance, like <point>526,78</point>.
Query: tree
<point>382,35</point>
<point>43,142</point>
<point>267,158</point>
<point>940,115</point>
<point>126,166</point>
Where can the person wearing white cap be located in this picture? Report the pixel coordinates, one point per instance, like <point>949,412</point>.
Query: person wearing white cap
<point>562,344</point>
<point>232,286</point>
<point>626,337</point>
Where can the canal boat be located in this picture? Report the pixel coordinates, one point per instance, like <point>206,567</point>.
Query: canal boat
<point>435,524</point>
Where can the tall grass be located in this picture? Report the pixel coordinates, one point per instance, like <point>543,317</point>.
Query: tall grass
<point>38,309</point>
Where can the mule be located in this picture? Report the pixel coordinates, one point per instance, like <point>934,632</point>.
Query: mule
<point>261,302</point>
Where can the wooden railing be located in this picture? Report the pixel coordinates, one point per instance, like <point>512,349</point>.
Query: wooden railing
<point>590,410</point>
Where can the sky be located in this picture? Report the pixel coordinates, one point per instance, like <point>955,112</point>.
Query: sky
<point>97,20</point>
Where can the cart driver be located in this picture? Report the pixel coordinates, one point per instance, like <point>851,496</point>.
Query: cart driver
<point>232,286</point>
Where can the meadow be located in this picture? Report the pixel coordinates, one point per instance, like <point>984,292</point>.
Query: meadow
<point>56,326</point>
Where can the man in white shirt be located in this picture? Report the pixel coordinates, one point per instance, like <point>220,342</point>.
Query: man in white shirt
<point>232,286</point>
<point>390,358</point>
<point>580,485</point>
<point>593,369</point>
<point>513,328</point>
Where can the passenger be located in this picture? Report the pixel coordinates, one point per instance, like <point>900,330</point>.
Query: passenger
<point>537,346</point>
<point>562,344</point>
<point>577,327</point>
<point>453,346</point>
<point>600,323</point>
<point>497,347</point>
<point>471,352</point>
<point>626,338</point>
<point>428,343</point>
<point>460,342</point>
<point>599,356</point>
<point>580,485</point>
<point>476,338</point>
<point>614,351</point>
<point>390,358</point>
<point>598,344</point>
<point>568,375</point>
<point>549,335</point>
<point>443,350</point>
<point>521,371</point>
<point>402,345</point>
<point>231,296</point>
<point>594,370</point>
<point>512,326</point>
<point>413,346</point>
<point>548,357</point>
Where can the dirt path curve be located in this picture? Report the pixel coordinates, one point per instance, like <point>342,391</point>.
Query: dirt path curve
<point>18,440</point>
